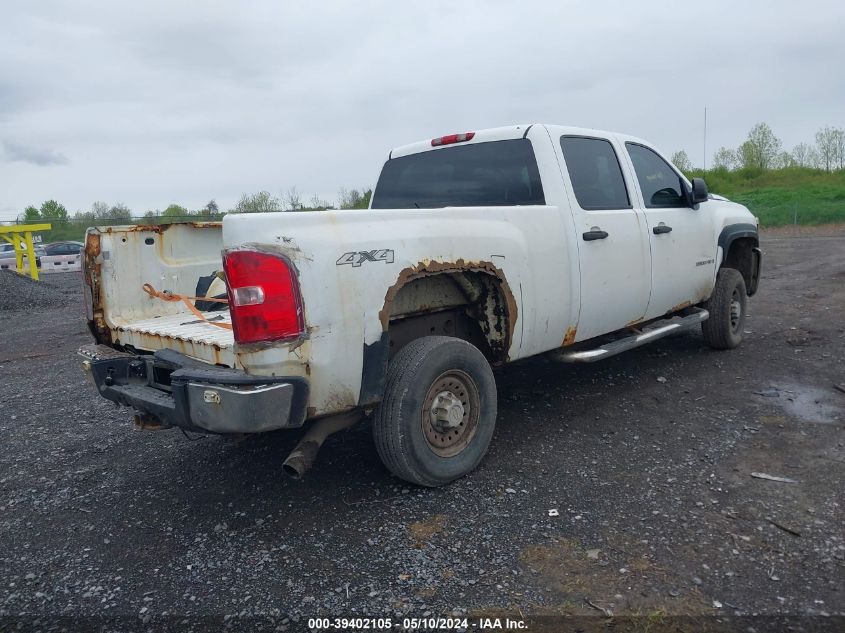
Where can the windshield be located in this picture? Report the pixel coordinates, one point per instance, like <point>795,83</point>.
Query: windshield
<point>499,173</point>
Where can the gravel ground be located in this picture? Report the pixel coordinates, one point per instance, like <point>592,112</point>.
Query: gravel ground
<point>18,292</point>
<point>647,459</point>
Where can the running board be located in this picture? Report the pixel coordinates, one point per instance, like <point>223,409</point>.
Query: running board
<point>636,340</point>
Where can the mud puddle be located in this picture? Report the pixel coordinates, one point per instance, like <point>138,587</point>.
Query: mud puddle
<point>808,404</point>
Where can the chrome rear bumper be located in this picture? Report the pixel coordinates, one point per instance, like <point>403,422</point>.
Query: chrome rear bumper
<point>171,389</point>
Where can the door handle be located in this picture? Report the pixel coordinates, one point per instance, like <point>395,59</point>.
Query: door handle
<point>661,228</point>
<point>594,234</point>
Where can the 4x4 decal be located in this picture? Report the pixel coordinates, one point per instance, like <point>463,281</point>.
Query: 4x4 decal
<point>356,258</point>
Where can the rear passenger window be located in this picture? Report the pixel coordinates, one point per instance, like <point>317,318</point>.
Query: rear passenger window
<point>595,173</point>
<point>660,184</point>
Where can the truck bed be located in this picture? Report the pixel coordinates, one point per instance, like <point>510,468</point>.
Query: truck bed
<point>119,260</point>
<point>182,332</point>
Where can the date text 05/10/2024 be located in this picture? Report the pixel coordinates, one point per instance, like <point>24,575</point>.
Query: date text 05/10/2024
<point>417,624</point>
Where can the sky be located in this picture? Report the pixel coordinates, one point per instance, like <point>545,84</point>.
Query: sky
<point>152,103</point>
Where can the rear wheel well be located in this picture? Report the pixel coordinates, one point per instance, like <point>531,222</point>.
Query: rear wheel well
<point>470,305</point>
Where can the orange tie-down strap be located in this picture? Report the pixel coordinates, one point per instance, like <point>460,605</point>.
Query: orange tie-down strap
<point>167,296</point>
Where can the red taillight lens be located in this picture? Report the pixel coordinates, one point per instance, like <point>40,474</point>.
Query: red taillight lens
<point>452,138</point>
<point>264,297</point>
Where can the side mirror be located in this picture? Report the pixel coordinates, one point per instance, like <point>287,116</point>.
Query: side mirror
<point>699,191</point>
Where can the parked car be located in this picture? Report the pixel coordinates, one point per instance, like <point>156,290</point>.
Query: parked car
<point>478,249</point>
<point>63,256</point>
<point>64,248</point>
<point>9,260</point>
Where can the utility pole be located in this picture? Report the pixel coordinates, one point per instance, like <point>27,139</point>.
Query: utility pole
<point>705,138</point>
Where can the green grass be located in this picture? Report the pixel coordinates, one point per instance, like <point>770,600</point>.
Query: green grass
<point>779,197</point>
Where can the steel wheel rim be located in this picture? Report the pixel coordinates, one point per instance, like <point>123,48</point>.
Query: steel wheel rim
<point>441,439</point>
<point>735,310</point>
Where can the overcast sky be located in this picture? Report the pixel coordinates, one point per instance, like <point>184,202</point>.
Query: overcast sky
<point>150,103</point>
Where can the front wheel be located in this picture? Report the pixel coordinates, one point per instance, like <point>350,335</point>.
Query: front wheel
<point>723,330</point>
<point>438,413</point>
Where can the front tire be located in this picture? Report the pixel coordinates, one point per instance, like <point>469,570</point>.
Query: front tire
<point>438,413</point>
<point>727,304</point>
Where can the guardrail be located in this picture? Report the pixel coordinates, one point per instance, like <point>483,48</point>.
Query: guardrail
<point>61,263</point>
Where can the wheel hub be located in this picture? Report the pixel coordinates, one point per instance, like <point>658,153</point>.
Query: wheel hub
<point>447,411</point>
<point>450,413</point>
<point>736,311</point>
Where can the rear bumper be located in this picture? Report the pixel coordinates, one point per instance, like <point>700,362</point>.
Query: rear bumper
<point>176,390</point>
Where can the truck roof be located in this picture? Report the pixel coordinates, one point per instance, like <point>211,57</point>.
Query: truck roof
<point>505,133</point>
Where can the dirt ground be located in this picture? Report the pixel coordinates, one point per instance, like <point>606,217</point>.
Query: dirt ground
<point>647,459</point>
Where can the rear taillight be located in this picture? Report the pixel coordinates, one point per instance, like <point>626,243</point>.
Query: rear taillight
<point>452,138</point>
<point>264,297</point>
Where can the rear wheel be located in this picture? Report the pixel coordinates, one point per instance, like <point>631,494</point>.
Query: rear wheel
<point>723,330</point>
<point>438,413</point>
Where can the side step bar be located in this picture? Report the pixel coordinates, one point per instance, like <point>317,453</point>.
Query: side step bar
<point>636,340</point>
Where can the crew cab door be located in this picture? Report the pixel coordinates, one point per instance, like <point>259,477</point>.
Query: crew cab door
<point>610,232</point>
<point>682,249</point>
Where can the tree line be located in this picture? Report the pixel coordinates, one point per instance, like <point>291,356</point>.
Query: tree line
<point>72,226</point>
<point>763,150</point>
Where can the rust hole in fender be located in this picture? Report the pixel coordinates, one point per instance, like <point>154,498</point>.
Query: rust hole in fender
<point>495,303</point>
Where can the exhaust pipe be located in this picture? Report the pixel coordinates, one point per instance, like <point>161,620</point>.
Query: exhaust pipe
<point>301,458</point>
<point>147,422</point>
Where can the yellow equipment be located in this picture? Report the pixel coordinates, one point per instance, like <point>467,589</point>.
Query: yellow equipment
<point>20,237</point>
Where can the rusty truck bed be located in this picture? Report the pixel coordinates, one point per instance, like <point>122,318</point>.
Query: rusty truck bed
<point>119,260</point>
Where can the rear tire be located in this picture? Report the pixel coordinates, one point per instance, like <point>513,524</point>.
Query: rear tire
<point>724,328</point>
<point>438,413</point>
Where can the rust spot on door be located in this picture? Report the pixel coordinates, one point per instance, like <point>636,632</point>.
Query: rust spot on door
<point>680,307</point>
<point>569,337</point>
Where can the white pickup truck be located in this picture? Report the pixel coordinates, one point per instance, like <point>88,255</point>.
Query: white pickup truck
<point>478,249</point>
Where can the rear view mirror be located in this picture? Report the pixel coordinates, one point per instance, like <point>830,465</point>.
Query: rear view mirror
<point>699,191</point>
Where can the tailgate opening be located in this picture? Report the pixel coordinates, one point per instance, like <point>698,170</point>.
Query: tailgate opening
<point>174,258</point>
